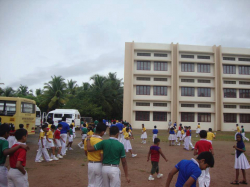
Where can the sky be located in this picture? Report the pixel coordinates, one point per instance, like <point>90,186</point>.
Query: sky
<point>80,38</point>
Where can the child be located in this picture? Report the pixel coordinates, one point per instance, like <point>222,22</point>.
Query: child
<point>243,133</point>
<point>42,149</point>
<point>241,161</point>
<point>143,135</point>
<point>210,135</point>
<point>175,135</point>
<point>84,135</point>
<point>50,141</point>
<point>20,126</point>
<point>186,139</point>
<point>171,137</point>
<point>71,137</point>
<point>179,134</point>
<point>190,170</point>
<point>74,129</point>
<point>182,137</point>
<point>12,139</point>
<point>155,132</point>
<point>190,138</point>
<point>4,151</point>
<point>237,131</point>
<point>127,144</point>
<point>203,146</point>
<point>57,139</point>
<point>198,129</point>
<point>90,133</point>
<point>111,158</point>
<point>155,152</point>
<point>17,175</point>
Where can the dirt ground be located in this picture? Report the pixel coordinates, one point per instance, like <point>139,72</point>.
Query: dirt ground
<point>72,169</point>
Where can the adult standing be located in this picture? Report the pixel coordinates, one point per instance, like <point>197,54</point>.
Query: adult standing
<point>169,125</point>
<point>65,129</point>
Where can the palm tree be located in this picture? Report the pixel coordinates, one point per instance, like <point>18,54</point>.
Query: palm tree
<point>39,91</point>
<point>23,90</point>
<point>71,87</point>
<point>54,93</point>
<point>8,92</point>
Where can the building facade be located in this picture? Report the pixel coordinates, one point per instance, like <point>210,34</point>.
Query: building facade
<point>186,84</point>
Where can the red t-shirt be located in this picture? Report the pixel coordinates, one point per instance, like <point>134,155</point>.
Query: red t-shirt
<point>179,128</point>
<point>202,146</point>
<point>19,155</point>
<point>188,133</point>
<point>155,154</point>
<point>57,134</point>
<point>12,133</point>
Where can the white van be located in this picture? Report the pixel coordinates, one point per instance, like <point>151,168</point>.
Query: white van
<point>38,116</point>
<point>70,114</point>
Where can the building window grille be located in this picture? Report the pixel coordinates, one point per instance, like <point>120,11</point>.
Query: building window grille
<point>187,91</point>
<point>142,116</point>
<point>244,82</point>
<point>160,90</point>
<point>160,66</point>
<point>143,65</point>
<point>142,90</point>
<point>229,106</point>
<point>244,59</point>
<point>142,104</point>
<point>204,81</point>
<point>230,118</point>
<point>187,67</point>
<point>244,107</point>
<point>187,56</point>
<point>187,117</point>
<point>244,70</point>
<point>160,104</point>
<point>187,105</point>
<point>143,78</point>
<point>229,69</point>
<point>204,92</point>
<point>244,118</point>
<point>229,93</point>
<point>143,54</point>
<point>244,93</point>
<point>204,117</point>
<point>159,116</point>
<point>204,106</point>
<point>204,68</point>
<point>229,58</point>
<point>160,55</point>
<point>160,79</point>
<point>187,80</point>
<point>203,57</point>
<point>229,82</point>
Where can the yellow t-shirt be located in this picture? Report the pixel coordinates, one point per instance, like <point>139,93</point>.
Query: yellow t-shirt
<point>90,133</point>
<point>42,134</point>
<point>126,135</point>
<point>210,136</point>
<point>87,125</point>
<point>50,134</point>
<point>95,155</point>
<point>49,126</point>
<point>238,129</point>
<point>175,131</point>
<point>124,130</point>
<point>143,129</point>
<point>182,131</point>
<point>198,126</point>
<point>73,124</point>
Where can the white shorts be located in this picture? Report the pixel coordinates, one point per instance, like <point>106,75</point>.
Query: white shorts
<point>71,138</point>
<point>50,144</point>
<point>58,143</point>
<point>84,136</point>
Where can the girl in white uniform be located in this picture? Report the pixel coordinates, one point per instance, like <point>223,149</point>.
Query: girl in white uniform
<point>126,142</point>
<point>172,136</point>
<point>241,161</point>
<point>12,139</point>
<point>144,134</point>
<point>198,129</point>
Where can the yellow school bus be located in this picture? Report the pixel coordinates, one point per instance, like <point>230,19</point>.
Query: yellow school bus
<point>17,111</point>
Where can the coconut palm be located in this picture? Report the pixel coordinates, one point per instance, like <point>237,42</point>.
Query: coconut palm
<point>8,92</point>
<point>71,87</point>
<point>22,90</point>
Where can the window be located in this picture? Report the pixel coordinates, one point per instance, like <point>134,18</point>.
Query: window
<point>229,58</point>
<point>142,90</point>
<point>187,105</point>
<point>204,68</point>
<point>244,118</point>
<point>68,115</point>
<point>141,116</point>
<point>7,108</point>
<point>159,116</point>
<point>160,104</point>
<point>244,59</point>
<point>244,93</point>
<point>229,82</point>
<point>204,92</point>
<point>244,82</point>
<point>187,67</point>
<point>38,114</point>
<point>229,106</point>
<point>27,108</point>
<point>143,65</point>
<point>230,118</point>
<point>244,70</point>
<point>143,54</point>
<point>203,81</point>
<point>204,106</point>
<point>187,80</point>
<point>160,79</point>
<point>160,66</point>
<point>244,107</point>
<point>143,78</point>
<point>160,55</point>
<point>204,117</point>
<point>57,115</point>
<point>187,91</point>
<point>142,104</point>
<point>187,56</point>
<point>229,93</point>
<point>160,90</point>
<point>187,117</point>
<point>203,57</point>
<point>229,69</point>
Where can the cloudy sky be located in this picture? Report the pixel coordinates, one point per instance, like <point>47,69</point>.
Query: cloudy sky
<point>77,39</point>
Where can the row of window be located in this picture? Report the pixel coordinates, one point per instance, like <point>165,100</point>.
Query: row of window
<point>201,68</point>
<point>154,104</point>
<point>145,90</point>
<point>234,82</point>
<point>231,93</point>
<point>146,65</point>
<point>202,92</point>
<point>148,79</point>
<point>192,56</point>
<point>145,116</point>
<point>199,80</point>
<point>199,105</point>
<point>155,54</point>
<point>233,59</point>
<point>234,106</point>
<point>232,118</point>
<point>231,69</point>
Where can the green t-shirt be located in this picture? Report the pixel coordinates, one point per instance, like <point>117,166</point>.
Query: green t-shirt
<point>84,130</point>
<point>4,144</point>
<point>96,122</point>
<point>113,151</point>
<point>242,130</point>
<point>70,131</point>
<point>94,130</point>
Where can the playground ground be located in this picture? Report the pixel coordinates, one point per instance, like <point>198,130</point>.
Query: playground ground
<point>72,169</point>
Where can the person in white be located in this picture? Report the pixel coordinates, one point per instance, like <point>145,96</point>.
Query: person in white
<point>243,133</point>
<point>169,125</point>
<point>64,131</point>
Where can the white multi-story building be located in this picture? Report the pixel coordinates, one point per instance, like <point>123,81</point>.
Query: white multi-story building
<point>186,84</point>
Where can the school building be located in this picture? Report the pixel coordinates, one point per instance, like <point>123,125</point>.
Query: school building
<point>186,84</point>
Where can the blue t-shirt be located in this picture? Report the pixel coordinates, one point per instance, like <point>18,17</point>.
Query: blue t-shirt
<point>187,168</point>
<point>120,126</point>
<point>155,131</point>
<point>65,127</point>
<point>174,124</point>
<point>171,132</point>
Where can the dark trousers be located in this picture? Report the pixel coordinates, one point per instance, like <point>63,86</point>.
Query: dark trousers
<point>155,167</point>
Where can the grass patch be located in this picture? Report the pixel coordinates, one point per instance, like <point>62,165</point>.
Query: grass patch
<point>141,170</point>
<point>83,164</point>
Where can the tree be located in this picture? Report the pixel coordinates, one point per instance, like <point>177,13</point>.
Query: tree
<point>71,87</point>
<point>8,92</point>
<point>39,92</point>
<point>22,90</point>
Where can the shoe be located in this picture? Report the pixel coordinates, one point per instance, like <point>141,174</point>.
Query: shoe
<point>41,159</point>
<point>70,148</point>
<point>134,155</point>
<point>79,145</point>
<point>49,160</point>
<point>179,144</point>
<point>151,178</point>
<point>38,161</point>
<point>82,147</point>
<point>55,158</point>
<point>159,175</point>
